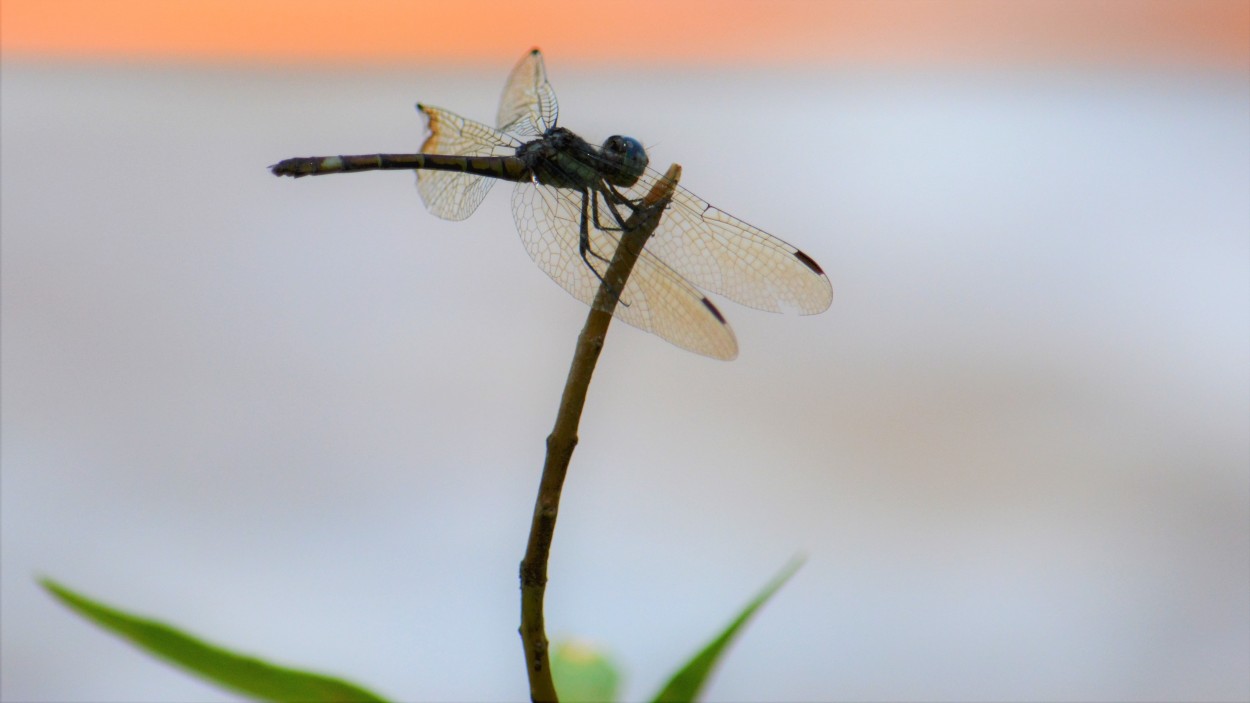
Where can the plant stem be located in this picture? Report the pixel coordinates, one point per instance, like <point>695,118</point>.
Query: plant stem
<point>563,438</point>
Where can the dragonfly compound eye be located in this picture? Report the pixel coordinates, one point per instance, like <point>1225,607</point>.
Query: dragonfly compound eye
<point>626,159</point>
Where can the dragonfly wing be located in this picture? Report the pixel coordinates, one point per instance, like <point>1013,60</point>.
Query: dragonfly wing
<point>528,106</point>
<point>654,299</point>
<point>451,195</point>
<point>720,253</point>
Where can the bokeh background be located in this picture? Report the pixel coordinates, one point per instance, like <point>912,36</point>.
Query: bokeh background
<point>306,419</point>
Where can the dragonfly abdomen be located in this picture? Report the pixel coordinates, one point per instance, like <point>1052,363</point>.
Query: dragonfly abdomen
<point>507,168</point>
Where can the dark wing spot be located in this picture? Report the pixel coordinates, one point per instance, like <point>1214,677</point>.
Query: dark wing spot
<point>712,309</point>
<point>808,261</point>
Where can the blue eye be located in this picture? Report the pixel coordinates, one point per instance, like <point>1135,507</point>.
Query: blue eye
<point>627,158</point>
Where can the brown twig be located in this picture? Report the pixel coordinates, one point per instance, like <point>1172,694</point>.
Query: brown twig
<point>563,438</point>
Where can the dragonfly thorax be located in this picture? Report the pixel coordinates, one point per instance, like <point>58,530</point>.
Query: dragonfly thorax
<point>562,159</point>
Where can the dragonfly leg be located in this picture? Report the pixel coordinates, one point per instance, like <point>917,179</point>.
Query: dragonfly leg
<point>583,241</point>
<point>624,200</point>
<point>610,205</point>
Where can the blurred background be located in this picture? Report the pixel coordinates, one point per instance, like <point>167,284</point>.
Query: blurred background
<point>306,419</point>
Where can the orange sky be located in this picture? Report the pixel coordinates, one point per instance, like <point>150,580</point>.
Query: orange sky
<point>1201,32</point>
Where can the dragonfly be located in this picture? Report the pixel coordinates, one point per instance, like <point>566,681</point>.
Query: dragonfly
<point>571,204</point>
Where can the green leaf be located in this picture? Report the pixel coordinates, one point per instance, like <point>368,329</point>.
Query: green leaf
<point>584,673</point>
<point>690,680</point>
<point>252,677</point>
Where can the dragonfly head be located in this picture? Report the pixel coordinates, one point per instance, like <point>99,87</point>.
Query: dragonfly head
<point>625,159</point>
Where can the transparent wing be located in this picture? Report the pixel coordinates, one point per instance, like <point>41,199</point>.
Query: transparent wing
<point>655,299</point>
<point>528,106</point>
<point>722,254</point>
<point>450,195</point>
